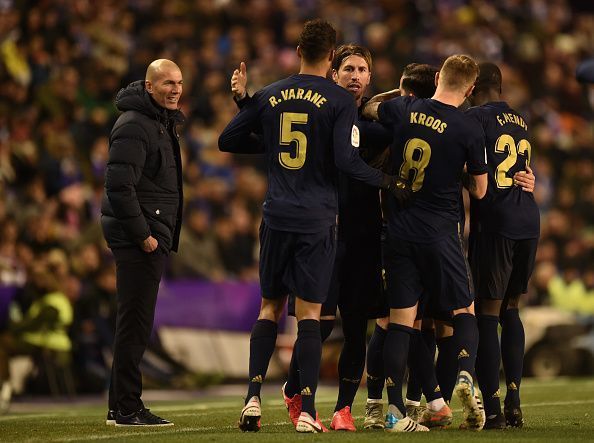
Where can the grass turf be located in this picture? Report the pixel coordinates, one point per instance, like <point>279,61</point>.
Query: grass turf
<point>562,409</point>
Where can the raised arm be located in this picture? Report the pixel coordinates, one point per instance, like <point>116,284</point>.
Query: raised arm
<point>238,136</point>
<point>347,159</point>
<point>370,109</point>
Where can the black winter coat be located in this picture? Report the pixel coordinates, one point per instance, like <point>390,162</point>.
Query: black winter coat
<point>143,180</point>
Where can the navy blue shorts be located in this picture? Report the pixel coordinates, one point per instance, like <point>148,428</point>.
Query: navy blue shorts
<point>296,263</point>
<point>356,286</point>
<point>501,267</point>
<point>438,271</point>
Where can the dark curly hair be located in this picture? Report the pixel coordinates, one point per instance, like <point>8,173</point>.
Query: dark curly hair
<point>419,79</point>
<point>317,39</point>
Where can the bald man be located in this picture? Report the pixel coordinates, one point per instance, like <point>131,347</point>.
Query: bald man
<point>141,216</point>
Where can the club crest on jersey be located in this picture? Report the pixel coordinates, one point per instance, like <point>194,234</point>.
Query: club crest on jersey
<point>355,136</point>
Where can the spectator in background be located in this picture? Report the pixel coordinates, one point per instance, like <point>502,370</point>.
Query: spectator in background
<point>585,71</point>
<point>44,325</point>
<point>198,255</point>
<point>94,328</point>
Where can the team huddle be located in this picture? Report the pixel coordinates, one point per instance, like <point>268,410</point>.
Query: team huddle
<point>364,213</point>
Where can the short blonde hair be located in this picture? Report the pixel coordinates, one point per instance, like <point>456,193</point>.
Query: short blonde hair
<point>459,72</point>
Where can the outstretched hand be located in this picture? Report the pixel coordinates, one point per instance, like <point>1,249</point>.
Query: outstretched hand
<point>239,82</point>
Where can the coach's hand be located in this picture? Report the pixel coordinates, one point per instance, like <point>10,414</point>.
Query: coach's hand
<point>400,189</point>
<point>149,244</point>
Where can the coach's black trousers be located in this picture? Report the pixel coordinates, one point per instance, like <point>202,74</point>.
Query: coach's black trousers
<point>138,275</point>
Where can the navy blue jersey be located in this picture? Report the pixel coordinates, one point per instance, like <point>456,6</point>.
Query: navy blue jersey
<point>506,209</point>
<point>307,127</point>
<point>432,143</point>
<point>359,211</point>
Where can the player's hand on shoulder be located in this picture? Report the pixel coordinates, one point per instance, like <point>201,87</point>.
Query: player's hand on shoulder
<point>400,188</point>
<point>525,179</point>
<point>239,82</point>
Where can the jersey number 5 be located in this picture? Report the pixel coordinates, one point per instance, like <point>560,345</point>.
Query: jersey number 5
<point>288,136</point>
<point>416,155</point>
<point>506,143</point>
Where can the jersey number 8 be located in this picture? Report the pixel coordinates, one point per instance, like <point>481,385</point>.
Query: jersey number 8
<point>416,155</point>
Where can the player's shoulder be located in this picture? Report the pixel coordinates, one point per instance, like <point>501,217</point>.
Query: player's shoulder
<point>273,87</point>
<point>402,103</point>
<point>339,92</point>
<point>479,114</point>
<point>490,108</point>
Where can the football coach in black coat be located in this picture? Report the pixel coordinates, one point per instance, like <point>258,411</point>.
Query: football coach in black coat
<point>141,217</point>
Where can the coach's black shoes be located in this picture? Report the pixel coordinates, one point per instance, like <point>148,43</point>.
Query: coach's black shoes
<point>513,416</point>
<point>111,418</point>
<point>495,422</point>
<point>141,418</point>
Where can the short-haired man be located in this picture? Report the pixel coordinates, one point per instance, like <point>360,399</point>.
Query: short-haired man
<point>307,126</point>
<point>504,231</point>
<point>417,80</point>
<point>433,141</point>
<point>141,216</point>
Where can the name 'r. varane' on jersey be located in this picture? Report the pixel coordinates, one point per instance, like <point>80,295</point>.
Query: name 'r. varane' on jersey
<point>298,94</point>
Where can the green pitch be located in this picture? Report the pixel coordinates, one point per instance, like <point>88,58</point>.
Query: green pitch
<point>554,410</point>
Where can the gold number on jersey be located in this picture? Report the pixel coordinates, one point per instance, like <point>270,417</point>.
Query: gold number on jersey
<point>416,155</point>
<point>506,143</point>
<point>288,135</point>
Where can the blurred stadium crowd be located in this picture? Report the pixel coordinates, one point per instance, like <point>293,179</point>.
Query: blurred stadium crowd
<point>63,61</point>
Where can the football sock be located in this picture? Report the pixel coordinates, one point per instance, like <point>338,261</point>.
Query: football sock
<point>512,353</point>
<point>488,361</point>
<point>292,387</point>
<point>375,364</point>
<point>466,337</point>
<point>262,343</point>
<point>309,354</point>
<point>413,385</point>
<point>352,359</point>
<point>421,364</point>
<point>446,367</point>
<point>429,339</point>
<point>326,327</point>
<point>395,356</point>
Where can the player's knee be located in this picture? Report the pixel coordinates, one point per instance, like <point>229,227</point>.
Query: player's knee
<point>305,310</point>
<point>466,310</point>
<point>271,310</point>
<point>443,329</point>
<point>489,307</point>
<point>513,303</point>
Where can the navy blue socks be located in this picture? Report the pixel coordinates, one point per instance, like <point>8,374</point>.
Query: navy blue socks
<point>262,344</point>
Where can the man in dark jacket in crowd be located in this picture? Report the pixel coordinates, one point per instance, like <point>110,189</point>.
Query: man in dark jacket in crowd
<point>141,216</point>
